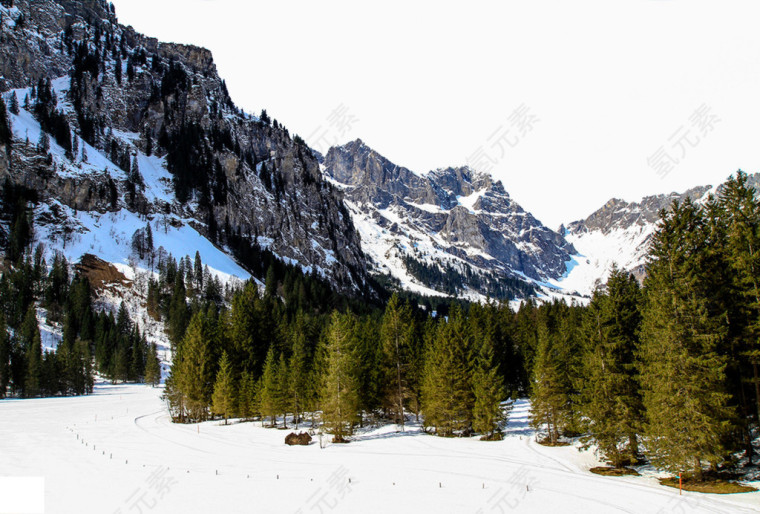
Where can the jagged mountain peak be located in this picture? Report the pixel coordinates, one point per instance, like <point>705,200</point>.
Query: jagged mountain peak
<point>450,221</point>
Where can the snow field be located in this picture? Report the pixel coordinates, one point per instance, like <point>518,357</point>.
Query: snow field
<point>117,452</point>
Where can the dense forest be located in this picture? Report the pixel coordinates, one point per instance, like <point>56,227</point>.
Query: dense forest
<point>664,371</point>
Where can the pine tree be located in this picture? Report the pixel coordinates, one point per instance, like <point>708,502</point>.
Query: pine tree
<point>611,403</point>
<point>150,250</point>
<point>375,381</point>
<point>198,271</point>
<point>270,282</point>
<point>549,398</point>
<point>488,391</point>
<point>6,134</point>
<point>247,396</point>
<point>396,338</point>
<point>224,390</point>
<point>43,143</point>
<point>446,389</point>
<point>32,383</point>
<point>682,372</point>
<point>283,378</point>
<point>13,107</point>
<point>340,399</point>
<point>5,357</point>
<point>297,373</point>
<point>195,377</point>
<point>741,216</point>
<point>270,402</point>
<point>120,369</point>
<point>153,367</point>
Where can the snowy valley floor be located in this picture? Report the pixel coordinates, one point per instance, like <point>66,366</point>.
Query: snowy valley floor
<point>117,452</point>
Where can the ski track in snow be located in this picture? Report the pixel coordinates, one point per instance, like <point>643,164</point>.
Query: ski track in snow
<point>117,451</point>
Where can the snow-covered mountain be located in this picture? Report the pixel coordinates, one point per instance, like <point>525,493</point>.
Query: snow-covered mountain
<point>114,131</point>
<point>452,230</point>
<point>619,233</point>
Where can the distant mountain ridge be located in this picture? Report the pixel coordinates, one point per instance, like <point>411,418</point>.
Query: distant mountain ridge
<point>620,233</point>
<point>457,219</point>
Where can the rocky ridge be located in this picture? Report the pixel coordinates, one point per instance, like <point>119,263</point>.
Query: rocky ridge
<point>457,219</point>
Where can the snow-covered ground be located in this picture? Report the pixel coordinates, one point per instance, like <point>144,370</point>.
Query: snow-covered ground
<point>117,452</point>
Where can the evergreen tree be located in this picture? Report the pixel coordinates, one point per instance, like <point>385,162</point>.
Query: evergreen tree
<point>270,399</point>
<point>198,271</point>
<point>153,367</point>
<point>283,383</point>
<point>549,398</point>
<point>32,383</point>
<point>195,370</point>
<point>446,389</point>
<point>150,250</point>
<point>297,373</point>
<point>224,390</point>
<point>120,369</point>
<point>13,107</point>
<point>340,399</point>
<point>6,134</point>
<point>682,372</point>
<point>611,403</point>
<point>270,282</point>
<point>247,396</point>
<point>488,391</point>
<point>396,339</point>
<point>741,216</point>
<point>43,143</point>
<point>5,357</point>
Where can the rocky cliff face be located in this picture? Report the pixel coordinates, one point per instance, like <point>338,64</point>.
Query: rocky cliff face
<point>459,221</point>
<point>161,138</point>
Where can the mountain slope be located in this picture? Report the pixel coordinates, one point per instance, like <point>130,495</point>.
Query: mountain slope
<point>453,230</point>
<point>619,233</point>
<point>146,130</point>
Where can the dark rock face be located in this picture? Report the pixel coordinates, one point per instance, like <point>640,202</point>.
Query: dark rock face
<point>473,218</point>
<point>302,439</point>
<point>249,178</point>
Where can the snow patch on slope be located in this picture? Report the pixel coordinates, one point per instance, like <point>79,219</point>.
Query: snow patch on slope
<point>598,251</point>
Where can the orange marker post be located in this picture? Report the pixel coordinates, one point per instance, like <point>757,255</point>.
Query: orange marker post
<point>680,484</point>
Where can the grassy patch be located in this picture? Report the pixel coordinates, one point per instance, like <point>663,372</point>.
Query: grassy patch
<point>608,471</point>
<point>710,485</point>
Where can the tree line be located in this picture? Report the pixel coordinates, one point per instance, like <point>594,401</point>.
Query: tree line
<point>667,371</point>
<point>258,359</point>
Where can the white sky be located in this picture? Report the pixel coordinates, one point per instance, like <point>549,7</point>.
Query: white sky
<point>428,83</point>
